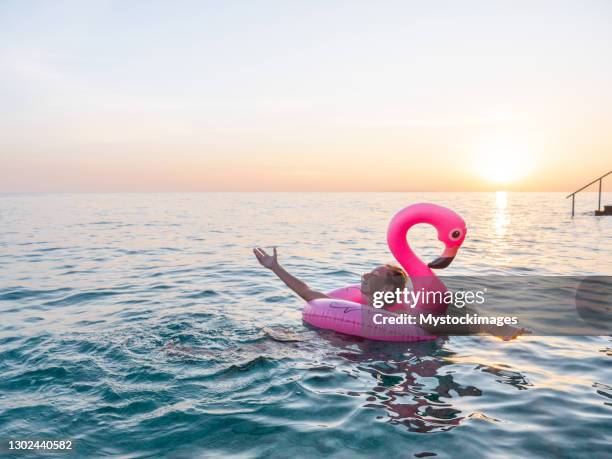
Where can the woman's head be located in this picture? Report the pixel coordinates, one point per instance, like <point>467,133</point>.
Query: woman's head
<point>384,278</point>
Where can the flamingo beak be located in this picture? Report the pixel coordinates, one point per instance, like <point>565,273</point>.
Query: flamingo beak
<point>445,259</point>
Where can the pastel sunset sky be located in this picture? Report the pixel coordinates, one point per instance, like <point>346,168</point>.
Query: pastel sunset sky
<point>304,95</point>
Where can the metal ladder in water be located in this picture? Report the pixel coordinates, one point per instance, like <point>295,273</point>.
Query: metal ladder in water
<point>598,211</point>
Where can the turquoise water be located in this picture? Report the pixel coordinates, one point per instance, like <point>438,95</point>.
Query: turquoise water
<point>140,325</point>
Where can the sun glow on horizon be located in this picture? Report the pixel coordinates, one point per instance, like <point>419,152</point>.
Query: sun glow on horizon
<point>503,162</point>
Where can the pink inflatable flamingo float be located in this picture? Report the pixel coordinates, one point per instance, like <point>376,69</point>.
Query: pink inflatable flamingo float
<point>346,310</point>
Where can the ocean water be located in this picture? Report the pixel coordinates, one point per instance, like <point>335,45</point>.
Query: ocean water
<point>141,325</point>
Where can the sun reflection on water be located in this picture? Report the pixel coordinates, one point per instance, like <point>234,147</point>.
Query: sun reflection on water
<point>501,199</point>
<point>501,215</point>
<point>501,223</point>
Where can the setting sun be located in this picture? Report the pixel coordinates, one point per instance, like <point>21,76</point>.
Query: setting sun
<point>503,163</point>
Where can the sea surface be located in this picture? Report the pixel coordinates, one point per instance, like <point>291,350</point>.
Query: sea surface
<point>141,325</point>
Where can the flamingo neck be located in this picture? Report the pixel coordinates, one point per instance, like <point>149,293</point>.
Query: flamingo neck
<point>412,264</point>
<point>421,276</point>
<point>403,253</point>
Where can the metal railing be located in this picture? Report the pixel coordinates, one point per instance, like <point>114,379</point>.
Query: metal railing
<point>573,195</point>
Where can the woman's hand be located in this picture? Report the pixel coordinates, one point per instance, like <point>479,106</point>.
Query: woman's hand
<point>266,260</point>
<point>299,287</point>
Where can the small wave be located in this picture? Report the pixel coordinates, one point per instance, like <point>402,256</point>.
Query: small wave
<point>36,378</point>
<point>131,252</point>
<point>512,378</point>
<point>78,271</point>
<point>130,409</point>
<point>340,272</point>
<point>84,323</point>
<point>160,287</point>
<point>277,298</point>
<point>33,319</point>
<point>258,363</point>
<point>105,222</point>
<point>202,294</point>
<point>603,389</point>
<point>19,293</point>
<point>148,375</point>
<point>171,249</point>
<point>49,249</point>
<point>82,297</point>
<point>282,335</point>
<point>482,417</point>
<point>523,269</point>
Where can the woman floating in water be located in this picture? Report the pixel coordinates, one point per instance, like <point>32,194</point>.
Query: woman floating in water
<point>350,309</point>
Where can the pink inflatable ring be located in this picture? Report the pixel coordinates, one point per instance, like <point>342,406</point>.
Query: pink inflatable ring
<point>347,311</point>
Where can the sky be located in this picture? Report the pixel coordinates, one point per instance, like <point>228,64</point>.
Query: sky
<point>304,95</point>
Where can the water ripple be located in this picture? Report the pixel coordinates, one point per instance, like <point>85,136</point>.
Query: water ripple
<point>147,329</point>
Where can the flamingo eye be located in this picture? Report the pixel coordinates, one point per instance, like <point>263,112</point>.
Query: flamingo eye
<point>455,234</point>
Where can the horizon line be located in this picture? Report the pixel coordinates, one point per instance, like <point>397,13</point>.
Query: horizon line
<point>283,191</point>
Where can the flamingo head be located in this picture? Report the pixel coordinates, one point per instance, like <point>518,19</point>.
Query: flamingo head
<point>451,231</point>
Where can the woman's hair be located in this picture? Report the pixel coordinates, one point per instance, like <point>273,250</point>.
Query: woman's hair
<point>397,277</point>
